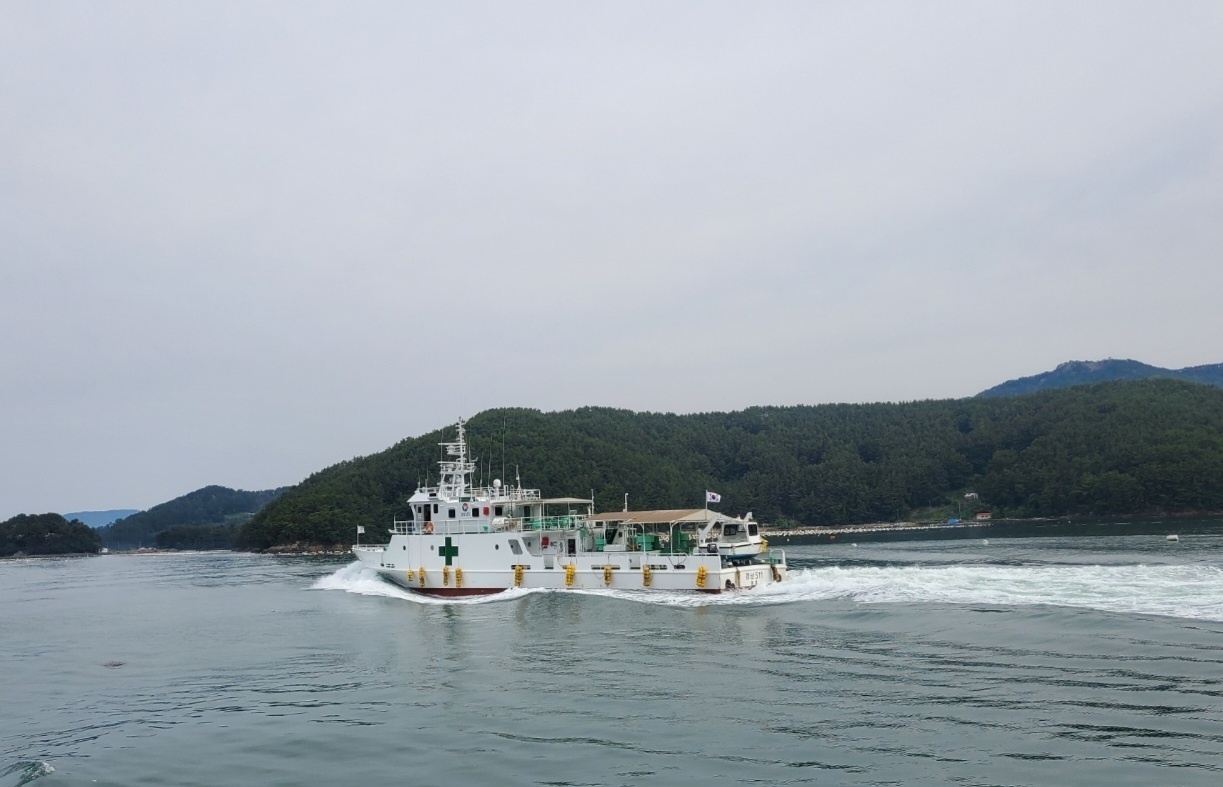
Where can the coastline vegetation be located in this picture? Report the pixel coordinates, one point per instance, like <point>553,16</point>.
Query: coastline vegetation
<point>1115,448</point>
<point>46,534</point>
<point>198,537</point>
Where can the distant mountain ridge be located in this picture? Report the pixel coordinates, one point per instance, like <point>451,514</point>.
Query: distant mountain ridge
<point>101,518</point>
<point>212,506</point>
<point>1084,372</point>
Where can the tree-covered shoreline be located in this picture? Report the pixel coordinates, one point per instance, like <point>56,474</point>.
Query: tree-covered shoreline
<point>29,535</point>
<point>1125,448</point>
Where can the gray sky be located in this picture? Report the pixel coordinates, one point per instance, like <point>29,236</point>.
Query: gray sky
<point>240,242</point>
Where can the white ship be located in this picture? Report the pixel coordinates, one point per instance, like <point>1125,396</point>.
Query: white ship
<point>464,540</point>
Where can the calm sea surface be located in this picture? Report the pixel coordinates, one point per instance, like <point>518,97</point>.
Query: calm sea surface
<point>1052,655</point>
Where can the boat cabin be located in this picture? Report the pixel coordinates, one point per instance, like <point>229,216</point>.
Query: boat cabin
<point>677,532</point>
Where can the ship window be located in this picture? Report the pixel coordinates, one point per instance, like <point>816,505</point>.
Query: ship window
<point>475,511</point>
<point>499,511</point>
<point>730,530</point>
<point>753,530</point>
<point>452,513</point>
<point>435,508</point>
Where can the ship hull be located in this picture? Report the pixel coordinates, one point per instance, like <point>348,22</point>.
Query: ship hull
<point>413,562</point>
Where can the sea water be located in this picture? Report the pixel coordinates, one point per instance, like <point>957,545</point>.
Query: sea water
<point>1062,655</point>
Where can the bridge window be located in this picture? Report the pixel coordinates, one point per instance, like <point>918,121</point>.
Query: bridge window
<point>452,513</point>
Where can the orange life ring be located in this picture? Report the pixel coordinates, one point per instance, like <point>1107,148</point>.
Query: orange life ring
<point>428,528</point>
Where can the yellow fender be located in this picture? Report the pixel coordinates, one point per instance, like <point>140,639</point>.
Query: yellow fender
<point>607,575</point>
<point>517,576</point>
<point>420,574</point>
<point>445,575</point>
<point>458,577</point>
<point>570,571</point>
<point>776,573</point>
<point>409,573</point>
<point>645,576</point>
<point>701,574</point>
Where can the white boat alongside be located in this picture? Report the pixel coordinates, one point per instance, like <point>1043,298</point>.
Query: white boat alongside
<point>465,540</point>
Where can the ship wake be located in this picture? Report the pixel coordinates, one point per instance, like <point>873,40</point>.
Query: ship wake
<point>356,578</point>
<point>1185,591</point>
<point>1182,591</point>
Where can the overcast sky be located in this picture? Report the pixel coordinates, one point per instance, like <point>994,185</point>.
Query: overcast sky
<point>240,242</point>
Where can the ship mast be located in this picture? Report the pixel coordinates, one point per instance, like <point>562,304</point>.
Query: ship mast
<point>456,470</point>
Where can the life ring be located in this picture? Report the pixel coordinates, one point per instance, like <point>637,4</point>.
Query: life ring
<point>428,528</point>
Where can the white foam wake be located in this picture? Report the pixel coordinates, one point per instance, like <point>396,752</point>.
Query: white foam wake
<point>356,578</point>
<point>1187,591</point>
<point>23,772</point>
<point>1184,591</point>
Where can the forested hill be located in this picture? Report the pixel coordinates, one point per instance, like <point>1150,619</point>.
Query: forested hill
<point>46,534</point>
<point>1082,372</point>
<point>1129,447</point>
<point>210,506</point>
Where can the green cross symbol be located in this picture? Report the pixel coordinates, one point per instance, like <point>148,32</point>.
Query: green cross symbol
<point>448,551</point>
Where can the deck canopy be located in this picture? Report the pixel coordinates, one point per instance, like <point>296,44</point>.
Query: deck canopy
<point>560,501</point>
<point>676,516</point>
